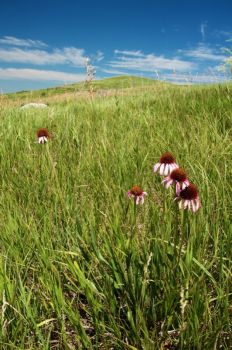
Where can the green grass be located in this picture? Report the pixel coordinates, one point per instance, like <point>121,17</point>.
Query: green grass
<point>80,267</point>
<point>120,82</point>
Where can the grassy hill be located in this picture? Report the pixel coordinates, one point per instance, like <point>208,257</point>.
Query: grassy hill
<point>83,267</point>
<point>120,82</point>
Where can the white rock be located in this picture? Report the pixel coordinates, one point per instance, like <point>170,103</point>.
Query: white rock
<point>34,105</point>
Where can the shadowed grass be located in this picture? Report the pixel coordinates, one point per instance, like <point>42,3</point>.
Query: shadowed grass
<point>80,269</point>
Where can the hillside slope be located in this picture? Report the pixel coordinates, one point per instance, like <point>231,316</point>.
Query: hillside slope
<point>120,82</point>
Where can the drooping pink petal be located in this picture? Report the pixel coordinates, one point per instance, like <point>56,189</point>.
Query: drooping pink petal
<point>162,169</point>
<point>168,183</point>
<point>185,184</point>
<point>198,203</point>
<point>194,205</point>
<point>156,167</point>
<point>166,169</point>
<point>178,188</point>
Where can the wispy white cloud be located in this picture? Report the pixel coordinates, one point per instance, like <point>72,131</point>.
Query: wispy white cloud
<point>99,56</point>
<point>41,57</point>
<point>13,41</point>
<point>222,33</point>
<point>148,63</point>
<point>203,27</point>
<point>114,71</point>
<point>137,53</point>
<point>190,79</point>
<point>40,75</point>
<point>204,52</point>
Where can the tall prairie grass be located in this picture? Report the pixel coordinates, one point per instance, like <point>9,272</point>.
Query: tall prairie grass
<point>80,267</point>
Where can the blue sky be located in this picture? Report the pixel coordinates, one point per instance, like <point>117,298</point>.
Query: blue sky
<point>46,43</point>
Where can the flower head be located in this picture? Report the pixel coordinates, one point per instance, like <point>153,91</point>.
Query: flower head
<point>43,135</point>
<point>189,198</point>
<point>137,193</point>
<point>179,177</point>
<point>166,164</point>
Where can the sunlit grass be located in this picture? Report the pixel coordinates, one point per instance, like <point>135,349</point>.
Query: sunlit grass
<point>81,267</point>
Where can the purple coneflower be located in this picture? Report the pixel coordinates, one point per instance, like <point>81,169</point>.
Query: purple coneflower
<point>189,198</point>
<point>137,193</point>
<point>43,135</point>
<point>167,163</point>
<point>179,177</point>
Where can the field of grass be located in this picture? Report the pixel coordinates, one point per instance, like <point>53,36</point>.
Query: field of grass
<point>123,82</point>
<point>80,266</point>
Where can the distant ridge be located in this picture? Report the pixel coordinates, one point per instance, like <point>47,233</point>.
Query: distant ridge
<point>119,82</point>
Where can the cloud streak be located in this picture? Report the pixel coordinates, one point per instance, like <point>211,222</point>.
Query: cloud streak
<point>222,33</point>
<point>137,53</point>
<point>39,75</point>
<point>114,72</point>
<point>138,61</point>
<point>13,41</point>
<point>203,27</point>
<point>99,56</point>
<point>190,79</point>
<point>41,57</point>
<point>203,52</point>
